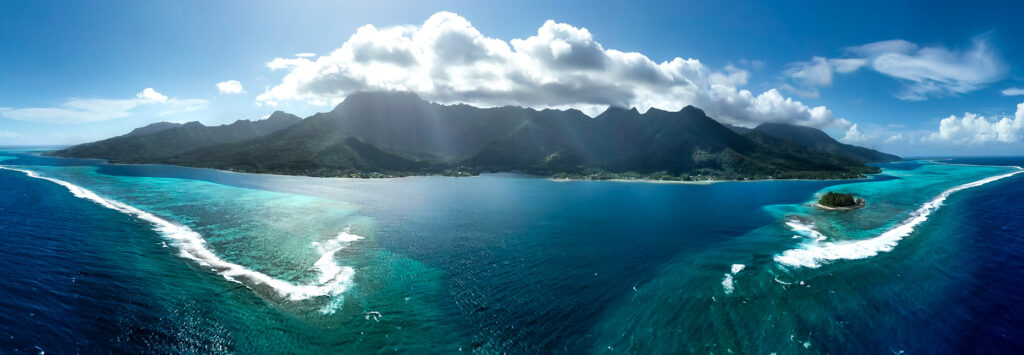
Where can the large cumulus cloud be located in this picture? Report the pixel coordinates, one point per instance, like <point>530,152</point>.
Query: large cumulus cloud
<point>448,60</point>
<point>976,129</point>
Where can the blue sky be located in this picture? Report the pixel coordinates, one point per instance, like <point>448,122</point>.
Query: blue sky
<point>910,78</point>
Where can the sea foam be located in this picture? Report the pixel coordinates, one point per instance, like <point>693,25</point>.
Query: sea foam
<point>333,280</point>
<point>806,230</point>
<point>737,268</point>
<point>727,281</point>
<point>814,254</point>
<point>727,285</point>
<point>329,270</point>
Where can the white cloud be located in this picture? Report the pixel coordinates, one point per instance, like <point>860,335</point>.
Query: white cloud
<point>934,71</point>
<point>894,138</point>
<point>818,72</point>
<point>230,87</point>
<point>855,136</point>
<point>976,129</point>
<point>769,106</point>
<point>448,60</point>
<point>732,77</point>
<point>184,105</point>
<point>305,55</point>
<point>148,96</point>
<point>883,47</point>
<point>925,71</point>
<point>79,110</point>
<point>318,102</point>
<point>756,64</point>
<point>1013,92</point>
<point>9,134</point>
<point>847,65</point>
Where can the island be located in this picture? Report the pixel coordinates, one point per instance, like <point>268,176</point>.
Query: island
<point>839,201</point>
<point>392,134</point>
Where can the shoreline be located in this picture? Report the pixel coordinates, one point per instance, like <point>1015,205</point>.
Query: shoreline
<point>389,177</point>
<point>851,208</point>
<point>707,182</point>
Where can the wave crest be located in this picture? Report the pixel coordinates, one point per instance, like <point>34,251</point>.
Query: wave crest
<point>333,280</point>
<point>814,254</point>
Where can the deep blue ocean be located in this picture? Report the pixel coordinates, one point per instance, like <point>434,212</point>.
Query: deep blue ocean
<point>100,258</point>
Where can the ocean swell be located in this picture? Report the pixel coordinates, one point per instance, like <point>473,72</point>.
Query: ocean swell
<point>813,254</point>
<point>333,280</point>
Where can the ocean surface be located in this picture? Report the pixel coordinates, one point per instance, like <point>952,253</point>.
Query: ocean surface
<point>100,258</point>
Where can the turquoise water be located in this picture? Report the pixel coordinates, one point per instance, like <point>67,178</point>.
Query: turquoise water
<point>130,258</point>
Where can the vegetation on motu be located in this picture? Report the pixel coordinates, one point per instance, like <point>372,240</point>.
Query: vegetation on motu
<point>398,134</point>
<point>839,200</point>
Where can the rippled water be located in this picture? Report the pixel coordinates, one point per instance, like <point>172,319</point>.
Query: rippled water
<point>104,258</point>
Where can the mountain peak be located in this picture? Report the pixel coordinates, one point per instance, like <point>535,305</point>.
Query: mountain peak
<point>617,111</point>
<point>692,109</point>
<point>380,97</point>
<point>281,115</point>
<point>377,100</point>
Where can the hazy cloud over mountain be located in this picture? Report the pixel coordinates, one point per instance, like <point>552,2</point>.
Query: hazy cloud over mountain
<point>855,136</point>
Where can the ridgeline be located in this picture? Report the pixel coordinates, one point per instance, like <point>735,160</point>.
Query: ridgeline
<point>383,134</point>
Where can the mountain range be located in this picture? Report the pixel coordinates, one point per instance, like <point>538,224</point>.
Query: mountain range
<point>162,140</point>
<point>398,133</point>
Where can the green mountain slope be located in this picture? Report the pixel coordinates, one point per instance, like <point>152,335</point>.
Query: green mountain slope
<point>680,144</point>
<point>389,134</point>
<point>153,128</point>
<point>312,148</point>
<point>819,140</point>
<point>161,140</point>
<point>406,124</point>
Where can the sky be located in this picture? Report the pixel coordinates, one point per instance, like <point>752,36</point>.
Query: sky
<point>915,79</point>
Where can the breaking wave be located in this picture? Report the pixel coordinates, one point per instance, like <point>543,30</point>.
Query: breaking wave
<point>333,280</point>
<point>727,282</point>
<point>815,253</point>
